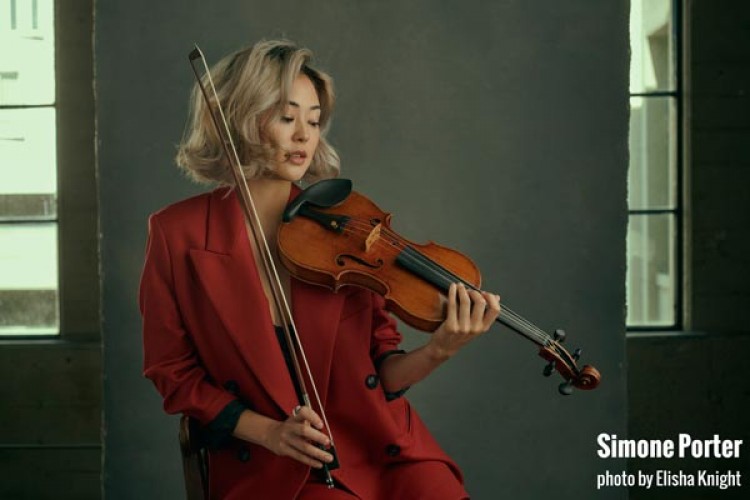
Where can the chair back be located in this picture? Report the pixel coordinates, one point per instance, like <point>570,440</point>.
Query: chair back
<point>194,460</point>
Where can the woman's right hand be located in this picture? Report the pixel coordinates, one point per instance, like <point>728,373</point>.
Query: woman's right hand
<point>298,437</point>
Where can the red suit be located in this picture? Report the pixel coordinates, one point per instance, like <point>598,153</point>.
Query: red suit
<point>207,326</point>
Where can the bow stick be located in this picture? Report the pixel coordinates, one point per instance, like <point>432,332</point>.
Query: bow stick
<point>280,303</point>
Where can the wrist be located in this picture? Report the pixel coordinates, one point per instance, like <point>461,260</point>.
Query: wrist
<point>437,353</point>
<point>254,428</point>
<point>267,428</point>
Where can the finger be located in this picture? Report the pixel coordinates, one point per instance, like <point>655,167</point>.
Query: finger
<point>306,432</point>
<point>312,451</point>
<point>292,452</point>
<point>494,301</point>
<point>492,311</point>
<point>478,306</point>
<point>464,308</point>
<point>306,414</point>
<point>450,314</point>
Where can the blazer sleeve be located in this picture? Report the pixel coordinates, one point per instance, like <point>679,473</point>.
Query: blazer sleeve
<point>170,359</point>
<point>385,339</point>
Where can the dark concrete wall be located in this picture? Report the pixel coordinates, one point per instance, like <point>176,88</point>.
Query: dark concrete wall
<point>496,127</point>
<point>697,383</point>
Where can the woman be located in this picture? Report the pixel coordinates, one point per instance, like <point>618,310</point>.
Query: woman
<point>209,338</point>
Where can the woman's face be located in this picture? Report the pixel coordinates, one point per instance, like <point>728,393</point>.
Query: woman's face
<point>296,132</point>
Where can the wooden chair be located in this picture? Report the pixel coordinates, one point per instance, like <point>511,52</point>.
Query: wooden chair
<point>194,460</point>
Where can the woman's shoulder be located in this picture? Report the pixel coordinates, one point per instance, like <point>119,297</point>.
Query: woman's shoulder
<point>188,210</point>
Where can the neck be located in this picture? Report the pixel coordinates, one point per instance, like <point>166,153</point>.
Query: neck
<point>270,197</point>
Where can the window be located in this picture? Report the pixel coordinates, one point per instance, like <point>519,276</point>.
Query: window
<point>28,170</point>
<point>654,249</point>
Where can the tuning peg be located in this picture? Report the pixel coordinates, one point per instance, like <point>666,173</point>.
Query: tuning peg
<point>577,354</point>
<point>549,369</point>
<point>559,335</point>
<point>566,388</point>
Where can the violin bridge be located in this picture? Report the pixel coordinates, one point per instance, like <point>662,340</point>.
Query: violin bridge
<point>373,237</point>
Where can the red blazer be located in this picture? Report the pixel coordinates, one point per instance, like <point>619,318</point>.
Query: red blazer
<point>207,326</point>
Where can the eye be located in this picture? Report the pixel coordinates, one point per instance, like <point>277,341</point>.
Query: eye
<point>315,124</point>
<point>287,119</point>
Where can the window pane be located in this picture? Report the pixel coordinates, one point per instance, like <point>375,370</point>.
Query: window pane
<point>651,45</point>
<point>651,278</point>
<point>28,279</point>
<point>28,173</point>
<point>27,51</point>
<point>653,153</point>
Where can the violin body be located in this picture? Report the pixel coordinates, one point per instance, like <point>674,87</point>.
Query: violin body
<point>334,237</point>
<point>365,255</point>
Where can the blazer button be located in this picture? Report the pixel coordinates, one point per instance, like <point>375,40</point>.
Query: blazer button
<point>243,455</point>
<point>392,450</point>
<point>371,381</point>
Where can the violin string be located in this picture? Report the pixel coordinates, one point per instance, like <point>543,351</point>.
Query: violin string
<point>521,325</point>
<point>251,216</point>
<point>438,269</point>
<point>397,245</point>
<point>519,322</point>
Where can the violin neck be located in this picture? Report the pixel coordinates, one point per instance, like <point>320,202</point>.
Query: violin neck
<point>523,327</point>
<point>424,267</point>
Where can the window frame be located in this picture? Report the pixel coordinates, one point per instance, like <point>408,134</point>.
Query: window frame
<point>77,190</point>
<point>678,213</point>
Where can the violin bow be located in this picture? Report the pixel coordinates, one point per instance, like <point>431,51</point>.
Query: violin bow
<point>280,303</point>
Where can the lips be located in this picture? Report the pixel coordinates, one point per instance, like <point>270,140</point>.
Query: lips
<point>297,157</point>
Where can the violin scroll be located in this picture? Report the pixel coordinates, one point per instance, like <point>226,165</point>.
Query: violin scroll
<point>564,363</point>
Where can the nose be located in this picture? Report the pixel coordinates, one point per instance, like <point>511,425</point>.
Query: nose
<point>301,132</point>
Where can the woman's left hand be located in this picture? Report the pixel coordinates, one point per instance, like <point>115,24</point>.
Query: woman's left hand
<point>470,314</point>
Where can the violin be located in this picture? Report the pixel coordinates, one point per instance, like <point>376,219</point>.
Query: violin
<point>333,237</point>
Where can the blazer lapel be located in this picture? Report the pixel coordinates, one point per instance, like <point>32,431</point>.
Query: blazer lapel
<point>316,312</point>
<point>227,272</point>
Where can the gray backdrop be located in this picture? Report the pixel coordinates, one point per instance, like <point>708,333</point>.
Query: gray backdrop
<point>499,128</point>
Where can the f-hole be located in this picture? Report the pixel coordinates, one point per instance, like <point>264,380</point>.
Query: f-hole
<point>342,258</point>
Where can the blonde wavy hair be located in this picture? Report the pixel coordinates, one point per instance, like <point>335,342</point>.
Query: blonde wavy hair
<point>252,85</point>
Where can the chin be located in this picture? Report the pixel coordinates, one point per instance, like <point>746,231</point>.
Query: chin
<point>291,173</point>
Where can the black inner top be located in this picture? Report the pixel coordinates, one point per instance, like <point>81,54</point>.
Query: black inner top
<point>288,360</point>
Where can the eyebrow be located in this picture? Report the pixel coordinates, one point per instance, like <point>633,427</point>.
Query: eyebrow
<point>296,105</point>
